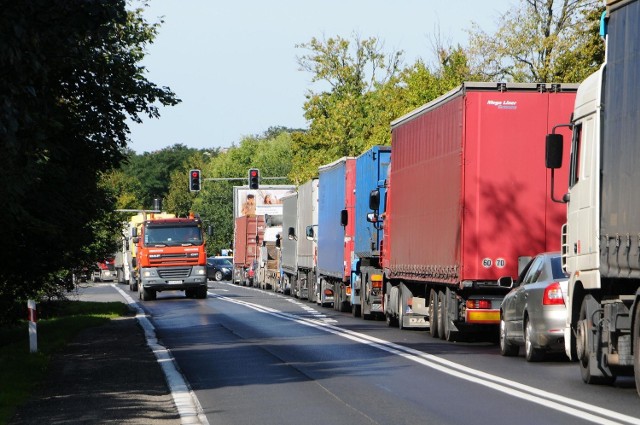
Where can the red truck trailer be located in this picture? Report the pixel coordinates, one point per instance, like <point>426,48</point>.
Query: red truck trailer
<point>247,239</point>
<point>467,202</point>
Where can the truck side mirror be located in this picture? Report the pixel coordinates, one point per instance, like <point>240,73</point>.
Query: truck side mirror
<point>374,200</point>
<point>344,218</point>
<point>553,151</point>
<point>134,232</point>
<point>291,234</point>
<point>135,240</point>
<point>310,233</point>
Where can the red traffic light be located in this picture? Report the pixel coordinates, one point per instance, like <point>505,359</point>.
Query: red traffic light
<point>254,178</point>
<point>194,180</point>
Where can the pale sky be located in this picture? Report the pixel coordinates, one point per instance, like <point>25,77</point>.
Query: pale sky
<point>233,63</point>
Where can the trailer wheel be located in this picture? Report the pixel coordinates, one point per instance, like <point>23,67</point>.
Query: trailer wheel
<point>400,309</point>
<point>442,315</point>
<point>433,313</point>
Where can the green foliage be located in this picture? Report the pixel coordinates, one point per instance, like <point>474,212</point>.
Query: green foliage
<point>153,171</point>
<point>342,119</point>
<point>271,153</point>
<point>71,80</point>
<point>540,41</point>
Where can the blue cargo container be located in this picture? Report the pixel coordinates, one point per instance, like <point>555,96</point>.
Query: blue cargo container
<point>335,233</point>
<point>366,273</point>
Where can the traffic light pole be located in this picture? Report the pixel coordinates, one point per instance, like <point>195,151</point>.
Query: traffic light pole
<point>218,179</point>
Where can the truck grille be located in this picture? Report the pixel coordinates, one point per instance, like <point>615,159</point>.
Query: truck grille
<point>174,273</point>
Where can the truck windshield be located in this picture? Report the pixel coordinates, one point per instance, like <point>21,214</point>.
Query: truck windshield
<point>172,235</point>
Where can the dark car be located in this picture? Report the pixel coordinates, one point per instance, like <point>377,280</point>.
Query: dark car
<point>219,268</point>
<point>534,314</point>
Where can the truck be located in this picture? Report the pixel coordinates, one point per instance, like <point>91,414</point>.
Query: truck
<point>125,259</point>
<point>258,263</point>
<point>170,255</point>
<point>366,270</point>
<point>601,237</point>
<point>248,232</point>
<point>466,205</point>
<point>299,253</point>
<point>336,183</point>
<point>268,273</point>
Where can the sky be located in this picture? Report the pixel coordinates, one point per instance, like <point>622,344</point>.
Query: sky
<point>234,63</point>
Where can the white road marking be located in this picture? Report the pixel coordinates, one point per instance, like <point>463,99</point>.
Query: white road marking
<point>547,399</point>
<point>188,405</point>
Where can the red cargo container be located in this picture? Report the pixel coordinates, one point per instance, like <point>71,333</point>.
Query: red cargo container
<point>467,199</point>
<point>247,238</point>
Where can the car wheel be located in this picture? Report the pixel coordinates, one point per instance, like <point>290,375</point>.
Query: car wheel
<point>531,353</point>
<point>506,348</point>
<point>218,276</point>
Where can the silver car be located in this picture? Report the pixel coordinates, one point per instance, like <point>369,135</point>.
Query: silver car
<point>533,314</point>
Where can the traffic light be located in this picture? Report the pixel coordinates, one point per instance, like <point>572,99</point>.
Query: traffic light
<point>254,178</point>
<point>194,180</point>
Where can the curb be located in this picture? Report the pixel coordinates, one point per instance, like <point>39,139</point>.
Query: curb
<point>189,407</point>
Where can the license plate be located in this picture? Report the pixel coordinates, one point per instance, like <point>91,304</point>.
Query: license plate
<point>175,282</point>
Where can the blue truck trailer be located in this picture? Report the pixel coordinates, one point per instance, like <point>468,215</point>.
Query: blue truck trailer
<point>335,232</point>
<point>366,271</point>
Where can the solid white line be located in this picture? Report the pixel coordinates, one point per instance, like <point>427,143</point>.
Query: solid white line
<point>550,400</point>
<point>185,399</point>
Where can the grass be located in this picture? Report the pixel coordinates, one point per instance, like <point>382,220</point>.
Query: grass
<point>59,322</point>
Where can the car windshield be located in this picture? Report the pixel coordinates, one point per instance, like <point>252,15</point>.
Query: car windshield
<point>222,262</point>
<point>556,268</point>
<point>172,235</point>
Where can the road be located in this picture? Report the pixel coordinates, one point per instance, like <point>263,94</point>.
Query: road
<point>253,356</point>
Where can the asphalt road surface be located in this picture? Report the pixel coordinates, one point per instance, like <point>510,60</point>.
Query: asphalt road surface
<point>252,356</point>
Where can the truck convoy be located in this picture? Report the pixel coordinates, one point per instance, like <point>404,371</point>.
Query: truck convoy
<point>601,237</point>
<point>466,204</point>
<point>299,212</point>
<point>170,255</point>
<point>366,270</point>
<point>336,202</point>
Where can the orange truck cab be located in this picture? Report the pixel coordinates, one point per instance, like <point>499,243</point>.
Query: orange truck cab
<point>171,256</point>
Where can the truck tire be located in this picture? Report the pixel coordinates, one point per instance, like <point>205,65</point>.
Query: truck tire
<point>433,313</point>
<point>442,315</point>
<point>636,347</point>
<point>200,293</point>
<point>401,306</point>
<point>584,343</point>
<point>148,294</point>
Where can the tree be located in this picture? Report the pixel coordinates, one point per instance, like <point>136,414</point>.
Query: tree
<point>153,170</point>
<point>71,79</point>
<point>340,118</point>
<point>271,153</point>
<point>539,41</point>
